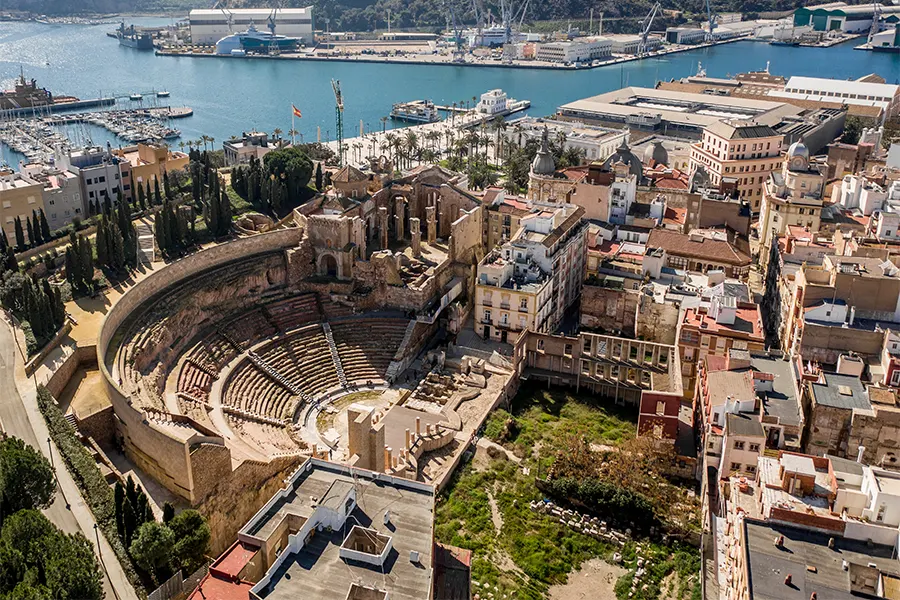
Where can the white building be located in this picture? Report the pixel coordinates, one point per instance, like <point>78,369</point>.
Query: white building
<point>209,26</point>
<point>631,44</point>
<point>254,144</point>
<point>685,35</point>
<point>597,143</point>
<point>858,93</point>
<point>579,50</point>
<point>493,102</point>
<point>62,194</point>
<point>856,191</point>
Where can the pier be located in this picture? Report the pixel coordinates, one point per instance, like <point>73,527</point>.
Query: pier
<point>56,107</point>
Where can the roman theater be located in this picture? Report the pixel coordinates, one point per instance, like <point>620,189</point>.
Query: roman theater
<point>332,336</point>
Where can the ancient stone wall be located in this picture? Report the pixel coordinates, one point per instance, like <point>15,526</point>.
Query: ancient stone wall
<point>84,355</point>
<point>233,501</point>
<point>825,344</point>
<point>210,464</point>
<point>656,322</point>
<point>100,425</point>
<point>158,452</point>
<point>466,238</point>
<point>879,433</point>
<point>609,309</point>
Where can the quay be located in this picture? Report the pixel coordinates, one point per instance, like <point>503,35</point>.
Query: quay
<point>57,107</point>
<point>446,60</point>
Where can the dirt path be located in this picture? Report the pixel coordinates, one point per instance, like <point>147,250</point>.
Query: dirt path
<point>496,517</point>
<point>595,580</point>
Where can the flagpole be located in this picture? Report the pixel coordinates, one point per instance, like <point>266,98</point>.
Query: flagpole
<point>293,128</point>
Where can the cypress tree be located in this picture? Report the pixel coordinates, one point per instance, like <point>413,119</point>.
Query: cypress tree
<point>59,308</point>
<point>4,241</point>
<point>30,229</point>
<point>102,242</point>
<point>159,232</point>
<point>148,194</point>
<point>38,239</point>
<point>86,261</point>
<point>167,186</point>
<point>119,496</point>
<point>212,214</point>
<point>319,177</point>
<point>157,198</point>
<point>20,235</point>
<point>226,214</point>
<point>45,227</point>
<point>107,205</point>
<point>140,197</point>
<point>116,247</point>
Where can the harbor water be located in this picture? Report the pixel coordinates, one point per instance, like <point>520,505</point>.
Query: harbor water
<point>234,95</point>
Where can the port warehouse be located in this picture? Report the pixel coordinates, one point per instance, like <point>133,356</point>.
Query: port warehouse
<point>209,26</point>
<point>839,16</point>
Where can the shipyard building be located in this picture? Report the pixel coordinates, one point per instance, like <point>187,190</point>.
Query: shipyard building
<point>209,26</point>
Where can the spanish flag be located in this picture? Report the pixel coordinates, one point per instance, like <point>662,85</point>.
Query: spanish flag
<point>296,111</point>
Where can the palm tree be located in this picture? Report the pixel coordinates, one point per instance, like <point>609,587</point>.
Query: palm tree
<point>384,121</point>
<point>292,132</point>
<point>412,144</point>
<point>276,133</point>
<point>181,145</point>
<point>390,140</point>
<point>212,142</point>
<point>500,125</point>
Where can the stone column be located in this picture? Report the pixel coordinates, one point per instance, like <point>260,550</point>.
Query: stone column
<point>383,227</point>
<point>431,224</point>
<point>399,214</point>
<point>416,233</point>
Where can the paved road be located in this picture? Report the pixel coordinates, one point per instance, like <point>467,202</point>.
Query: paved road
<point>23,420</point>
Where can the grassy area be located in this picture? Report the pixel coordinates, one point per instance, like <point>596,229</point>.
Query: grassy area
<point>238,205</point>
<point>520,552</point>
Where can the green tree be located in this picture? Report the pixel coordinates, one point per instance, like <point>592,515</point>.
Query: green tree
<point>72,570</point>
<point>151,546</point>
<point>28,477</point>
<point>319,177</point>
<point>45,227</point>
<point>168,512</point>
<point>140,196</point>
<point>293,167</point>
<point>20,234</point>
<point>191,539</point>
<point>167,186</point>
<point>157,197</point>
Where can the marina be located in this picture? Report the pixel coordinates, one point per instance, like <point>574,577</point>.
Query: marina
<point>38,139</point>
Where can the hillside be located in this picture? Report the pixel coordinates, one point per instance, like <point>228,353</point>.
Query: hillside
<point>364,15</point>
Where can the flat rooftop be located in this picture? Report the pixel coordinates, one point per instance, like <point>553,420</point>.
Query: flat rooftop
<point>841,391</point>
<point>318,571</point>
<point>689,109</point>
<point>812,565</point>
<point>782,401</point>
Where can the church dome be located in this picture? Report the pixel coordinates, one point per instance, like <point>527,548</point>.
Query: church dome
<point>624,155</point>
<point>543,163</point>
<point>657,153</point>
<point>798,156</point>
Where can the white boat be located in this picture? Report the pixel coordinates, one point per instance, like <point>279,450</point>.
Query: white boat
<point>417,111</point>
<point>162,94</point>
<point>135,97</point>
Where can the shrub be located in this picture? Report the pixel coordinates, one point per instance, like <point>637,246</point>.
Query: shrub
<point>606,500</point>
<point>90,481</point>
<point>31,343</point>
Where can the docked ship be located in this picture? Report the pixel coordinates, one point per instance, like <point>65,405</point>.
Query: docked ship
<point>417,111</point>
<point>129,37</point>
<point>26,94</point>
<point>255,41</point>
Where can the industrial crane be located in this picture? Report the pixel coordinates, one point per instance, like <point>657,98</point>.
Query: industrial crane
<point>876,22</point>
<point>710,37</point>
<point>339,118</point>
<point>645,28</point>
<point>229,16</point>
<point>457,34</point>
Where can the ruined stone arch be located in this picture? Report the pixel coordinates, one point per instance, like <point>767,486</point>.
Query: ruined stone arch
<point>329,265</point>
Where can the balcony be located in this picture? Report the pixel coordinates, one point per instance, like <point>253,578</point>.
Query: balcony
<point>523,309</point>
<point>487,302</point>
<point>504,305</point>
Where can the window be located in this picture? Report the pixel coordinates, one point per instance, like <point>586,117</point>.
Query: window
<point>738,445</point>
<point>7,204</point>
<point>660,407</point>
<point>751,470</point>
<point>568,350</point>
<point>735,466</point>
<point>704,341</point>
<point>540,344</point>
<point>101,179</point>
<point>487,315</point>
<point>754,447</point>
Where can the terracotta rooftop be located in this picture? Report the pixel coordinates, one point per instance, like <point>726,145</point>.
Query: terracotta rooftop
<point>747,323</point>
<point>681,244</point>
<point>215,588</point>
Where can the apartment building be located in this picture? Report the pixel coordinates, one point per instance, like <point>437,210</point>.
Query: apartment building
<point>740,150</point>
<point>713,330</point>
<point>791,196</point>
<point>149,161</point>
<point>102,174</point>
<point>530,281</point>
<point>19,196</point>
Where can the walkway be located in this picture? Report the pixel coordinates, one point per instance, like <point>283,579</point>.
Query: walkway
<point>20,417</point>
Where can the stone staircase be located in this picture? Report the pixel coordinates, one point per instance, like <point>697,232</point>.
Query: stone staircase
<point>70,419</point>
<point>335,356</point>
<point>396,365</point>
<point>146,248</point>
<point>268,369</point>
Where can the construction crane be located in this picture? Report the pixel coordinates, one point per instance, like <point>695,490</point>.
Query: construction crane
<point>339,119</point>
<point>645,28</point>
<point>876,22</point>
<point>229,16</point>
<point>273,43</point>
<point>711,19</point>
<point>458,52</point>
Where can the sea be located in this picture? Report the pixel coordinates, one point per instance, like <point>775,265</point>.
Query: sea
<point>230,96</point>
